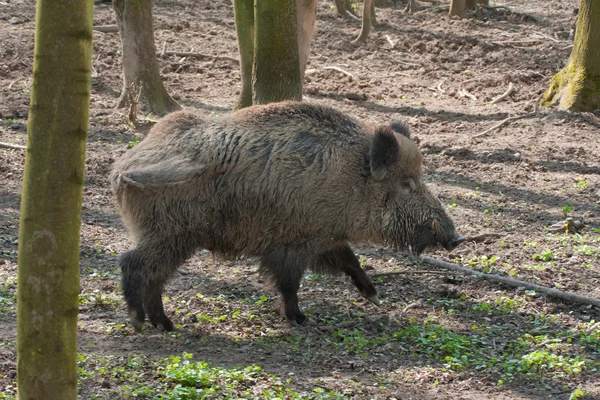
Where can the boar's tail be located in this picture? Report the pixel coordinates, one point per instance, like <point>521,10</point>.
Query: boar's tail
<point>156,176</point>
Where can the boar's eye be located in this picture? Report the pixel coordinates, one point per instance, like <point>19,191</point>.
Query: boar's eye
<point>406,186</point>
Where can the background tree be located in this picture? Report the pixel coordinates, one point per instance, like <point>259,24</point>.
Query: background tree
<point>577,86</point>
<point>51,201</point>
<point>276,72</point>
<point>140,67</point>
<point>457,7</point>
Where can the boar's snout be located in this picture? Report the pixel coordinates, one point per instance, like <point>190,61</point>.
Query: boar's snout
<point>453,244</point>
<point>436,232</point>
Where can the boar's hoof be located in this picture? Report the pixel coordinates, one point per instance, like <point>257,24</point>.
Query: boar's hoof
<point>164,322</point>
<point>137,319</point>
<point>374,299</point>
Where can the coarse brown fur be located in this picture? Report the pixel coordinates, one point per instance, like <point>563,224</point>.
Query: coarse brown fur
<point>290,183</point>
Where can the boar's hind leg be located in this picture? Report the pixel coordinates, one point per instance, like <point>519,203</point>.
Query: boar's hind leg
<point>132,268</point>
<point>146,269</point>
<point>286,267</point>
<point>343,259</point>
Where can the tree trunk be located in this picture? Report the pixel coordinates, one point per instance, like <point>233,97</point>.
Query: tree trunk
<point>276,70</point>
<point>367,22</point>
<point>244,26</point>
<point>140,67</point>
<point>457,7</point>
<point>470,4</point>
<point>577,86</point>
<point>48,265</point>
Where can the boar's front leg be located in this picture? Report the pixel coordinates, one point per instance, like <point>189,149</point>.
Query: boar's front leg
<point>286,266</point>
<point>343,259</point>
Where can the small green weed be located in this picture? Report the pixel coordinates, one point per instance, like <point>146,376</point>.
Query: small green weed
<point>546,255</point>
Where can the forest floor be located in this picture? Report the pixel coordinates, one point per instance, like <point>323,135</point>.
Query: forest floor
<point>437,334</point>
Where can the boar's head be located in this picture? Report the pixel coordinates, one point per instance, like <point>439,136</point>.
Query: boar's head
<point>412,218</point>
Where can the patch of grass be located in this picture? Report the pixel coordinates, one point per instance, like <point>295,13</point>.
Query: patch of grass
<point>355,341</point>
<point>476,350</point>
<point>109,300</point>
<point>177,377</point>
<point>581,184</point>
<point>546,255</point>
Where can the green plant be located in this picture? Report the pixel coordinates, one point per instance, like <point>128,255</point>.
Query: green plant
<point>581,184</point>
<point>566,210</point>
<point>545,255</point>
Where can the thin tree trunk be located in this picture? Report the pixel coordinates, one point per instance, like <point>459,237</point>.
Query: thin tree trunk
<point>140,67</point>
<point>306,12</point>
<point>244,25</point>
<point>577,86</point>
<point>48,265</point>
<point>367,22</point>
<point>276,70</point>
<point>457,7</point>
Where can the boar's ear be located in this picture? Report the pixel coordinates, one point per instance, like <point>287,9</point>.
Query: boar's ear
<point>383,153</point>
<point>400,127</point>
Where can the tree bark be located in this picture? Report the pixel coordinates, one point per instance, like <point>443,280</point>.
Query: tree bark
<point>367,22</point>
<point>140,67</point>
<point>457,8</point>
<point>577,86</point>
<point>244,25</point>
<point>470,4</point>
<point>48,264</point>
<point>276,70</point>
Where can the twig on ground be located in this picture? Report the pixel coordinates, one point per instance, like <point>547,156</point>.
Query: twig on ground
<point>511,88</point>
<point>12,146</point>
<point>517,42</point>
<point>570,297</point>
<point>107,28</point>
<point>566,47</point>
<point>164,49</point>
<point>439,87</point>
<point>392,43</point>
<point>464,93</point>
<point>412,305</point>
<point>499,124</point>
<point>574,336</point>
<point>546,36</point>
<point>338,69</point>
<point>200,55</point>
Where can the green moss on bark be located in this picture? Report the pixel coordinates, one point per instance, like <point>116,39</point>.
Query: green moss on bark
<point>577,86</point>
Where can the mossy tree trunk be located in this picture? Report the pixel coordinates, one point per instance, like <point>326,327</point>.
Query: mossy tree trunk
<point>244,26</point>
<point>276,71</point>
<point>48,265</point>
<point>140,67</point>
<point>457,8</point>
<point>577,86</point>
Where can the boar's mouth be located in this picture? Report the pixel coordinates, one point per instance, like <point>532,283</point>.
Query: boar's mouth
<point>429,235</point>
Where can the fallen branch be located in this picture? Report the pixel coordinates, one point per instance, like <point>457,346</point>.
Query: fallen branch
<point>338,69</point>
<point>200,55</point>
<point>408,272</point>
<point>12,146</point>
<point>511,88</point>
<point>107,28</point>
<point>483,237</point>
<point>559,294</point>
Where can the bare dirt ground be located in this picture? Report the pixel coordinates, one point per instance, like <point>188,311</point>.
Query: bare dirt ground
<point>437,335</point>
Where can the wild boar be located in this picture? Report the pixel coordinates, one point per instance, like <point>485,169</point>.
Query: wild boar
<point>289,183</point>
